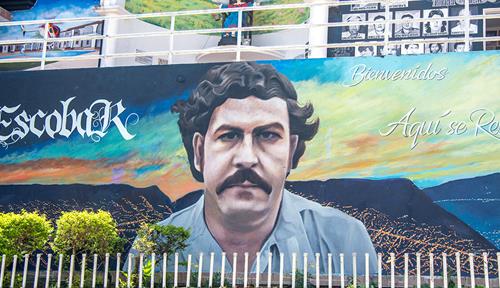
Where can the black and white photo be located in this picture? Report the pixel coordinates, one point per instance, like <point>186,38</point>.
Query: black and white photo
<point>355,30</point>
<point>407,28</point>
<point>377,30</point>
<point>436,26</point>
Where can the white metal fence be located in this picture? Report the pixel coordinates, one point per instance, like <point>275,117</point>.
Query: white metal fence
<point>238,49</point>
<point>63,271</point>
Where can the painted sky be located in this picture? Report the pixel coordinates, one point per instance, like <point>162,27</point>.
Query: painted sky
<point>50,9</point>
<point>349,143</point>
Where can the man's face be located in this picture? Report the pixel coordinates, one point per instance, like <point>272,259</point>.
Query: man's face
<point>462,13</point>
<point>434,48</point>
<point>379,26</point>
<point>413,49</point>
<point>354,29</point>
<point>407,24</point>
<point>436,22</point>
<point>245,155</point>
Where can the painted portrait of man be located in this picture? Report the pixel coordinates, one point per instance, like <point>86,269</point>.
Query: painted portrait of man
<point>244,132</point>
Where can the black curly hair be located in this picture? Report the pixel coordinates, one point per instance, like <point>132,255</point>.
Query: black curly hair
<point>240,80</point>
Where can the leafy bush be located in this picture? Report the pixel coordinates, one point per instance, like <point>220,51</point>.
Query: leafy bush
<point>159,239</point>
<point>23,233</point>
<point>87,232</point>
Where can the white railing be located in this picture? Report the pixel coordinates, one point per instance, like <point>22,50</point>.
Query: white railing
<point>192,276</point>
<point>238,49</point>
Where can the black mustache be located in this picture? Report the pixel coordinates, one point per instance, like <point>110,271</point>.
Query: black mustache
<point>241,176</point>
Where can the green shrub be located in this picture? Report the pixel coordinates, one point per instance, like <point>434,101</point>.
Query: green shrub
<point>159,239</point>
<point>87,232</point>
<point>23,233</point>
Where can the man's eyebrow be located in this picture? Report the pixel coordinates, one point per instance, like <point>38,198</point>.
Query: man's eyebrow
<point>271,125</point>
<point>226,127</point>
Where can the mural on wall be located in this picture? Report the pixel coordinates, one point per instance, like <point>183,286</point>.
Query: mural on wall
<point>409,11</point>
<point>270,17</point>
<point>393,143</point>
<point>48,9</point>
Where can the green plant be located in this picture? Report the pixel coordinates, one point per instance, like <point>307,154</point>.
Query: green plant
<point>87,232</point>
<point>23,233</point>
<point>159,239</point>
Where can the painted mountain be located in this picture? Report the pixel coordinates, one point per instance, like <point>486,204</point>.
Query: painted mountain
<point>475,201</point>
<point>400,217</point>
<point>129,206</point>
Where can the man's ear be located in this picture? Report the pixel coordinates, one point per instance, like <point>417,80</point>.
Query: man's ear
<point>198,145</point>
<point>294,141</point>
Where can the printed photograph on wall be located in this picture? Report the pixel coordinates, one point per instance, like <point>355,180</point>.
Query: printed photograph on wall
<point>355,30</point>
<point>340,155</point>
<point>377,30</point>
<point>407,29</point>
<point>389,50</point>
<point>435,48</point>
<point>459,27</point>
<point>436,26</point>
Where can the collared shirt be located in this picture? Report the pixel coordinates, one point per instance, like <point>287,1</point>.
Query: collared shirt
<point>303,226</point>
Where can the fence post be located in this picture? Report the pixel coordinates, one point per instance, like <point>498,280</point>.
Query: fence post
<point>13,273</point>
<point>317,270</point>
<point>2,271</point>
<point>117,275</point>
<point>379,269</point>
<point>257,271</point>
<point>393,281</point>
<point>245,271</point>
<point>211,267</point>
<point>59,270</point>
<point>269,268</point>
<point>445,271</point>
<point>94,271</point>
<point>25,270</point>
<point>406,271</point>
<point>71,269</point>
<point>235,267</point>
<point>459,272</point>
<point>485,268</point>
<point>222,269</point>
<point>281,270</point>
<point>82,271</point>
<point>419,275</point>
<point>176,268</point>
<point>431,269</point>
<point>294,267</point>
<point>342,280</point>
<point>471,265</point>
<point>106,267</point>
<point>37,270</point>
<point>164,271</point>
<point>188,273</point>
<point>367,270</point>
<point>354,271</point>
<point>141,266</point>
<point>330,270</point>
<point>47,274</point>
<point>153,266</point>
<point>305,270</point>
<point>129,270</point>
<point>200,269</point>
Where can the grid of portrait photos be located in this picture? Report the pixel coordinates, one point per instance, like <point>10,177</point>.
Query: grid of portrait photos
<point>357,30</point>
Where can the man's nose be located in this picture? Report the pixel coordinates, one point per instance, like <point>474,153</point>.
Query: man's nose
<point>246,156</point>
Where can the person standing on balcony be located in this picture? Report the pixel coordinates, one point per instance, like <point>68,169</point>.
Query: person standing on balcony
<point>230,20</point>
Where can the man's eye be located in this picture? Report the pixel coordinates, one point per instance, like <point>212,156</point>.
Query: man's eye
<point>230,136</point>
<point>267,135</point>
